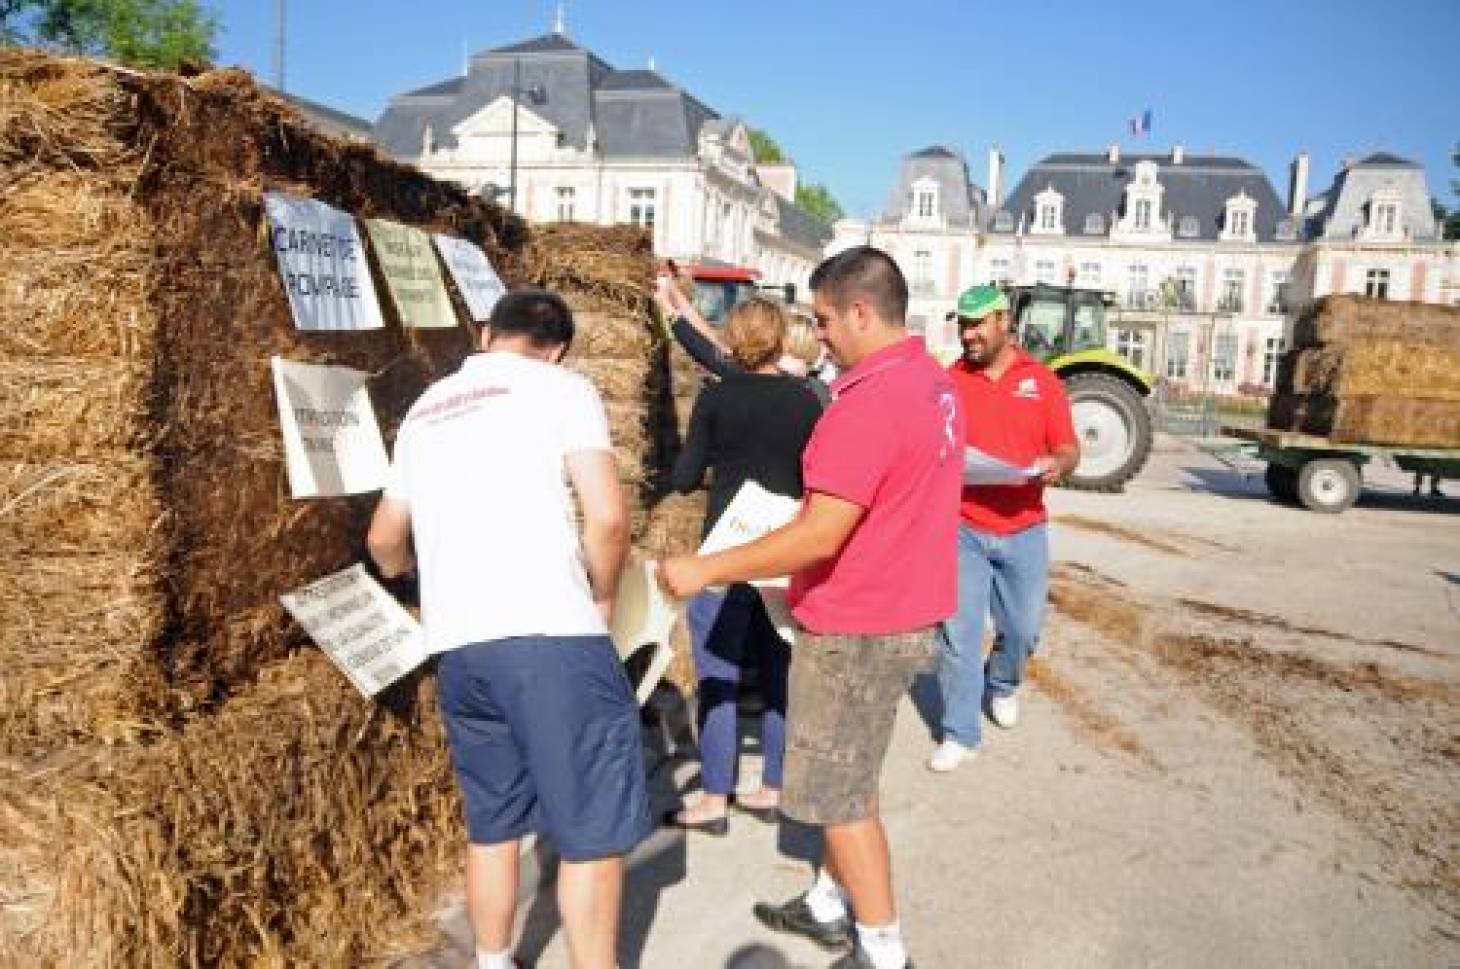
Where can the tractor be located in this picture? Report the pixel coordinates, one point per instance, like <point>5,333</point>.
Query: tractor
<point>1065,328</point>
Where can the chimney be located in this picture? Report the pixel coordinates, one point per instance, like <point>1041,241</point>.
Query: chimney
<point>1178,154</point>
<point>779,177</point>
<point>1298,185</point>
<point>1113,154</point>
<point>996,177</point>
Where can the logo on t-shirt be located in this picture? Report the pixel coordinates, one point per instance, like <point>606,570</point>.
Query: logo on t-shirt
<point>1028,389</point>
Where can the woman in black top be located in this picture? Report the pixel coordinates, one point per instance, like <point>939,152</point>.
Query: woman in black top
<point>749,426</point>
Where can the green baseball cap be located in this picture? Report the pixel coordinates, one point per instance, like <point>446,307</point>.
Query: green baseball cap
<point>976,302</point>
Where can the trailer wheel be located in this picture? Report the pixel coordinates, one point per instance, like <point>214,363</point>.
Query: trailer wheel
<point>1328,485</point>
<point>1282,482</point>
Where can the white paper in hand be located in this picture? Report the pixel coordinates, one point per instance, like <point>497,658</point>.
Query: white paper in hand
<point>981,468</point>
<point>360,627</point>
<point>751,514</point>
<point>643,615</point>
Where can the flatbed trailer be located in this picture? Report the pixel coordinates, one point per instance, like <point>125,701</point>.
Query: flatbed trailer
<point>1322,474</point>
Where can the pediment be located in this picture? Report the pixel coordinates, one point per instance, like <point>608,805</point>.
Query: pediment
<point>496,119</point>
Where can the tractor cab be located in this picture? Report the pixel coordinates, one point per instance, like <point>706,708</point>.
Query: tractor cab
<point>1052,321</point>
<point>719,287</point>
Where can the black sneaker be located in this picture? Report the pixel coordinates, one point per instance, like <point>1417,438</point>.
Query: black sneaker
<point>858,959</point>
<point>795,917</point>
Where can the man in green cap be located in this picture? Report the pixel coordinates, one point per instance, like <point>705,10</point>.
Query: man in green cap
<point>1016,411</point>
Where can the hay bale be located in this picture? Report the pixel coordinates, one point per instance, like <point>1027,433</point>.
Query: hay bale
<point>296,826</point>
<point>1372,367</point>
<point>221,798</point>
<point>1343,319</point>
<point>1397,421</point>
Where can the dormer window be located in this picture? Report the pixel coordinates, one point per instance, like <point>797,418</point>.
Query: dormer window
<point>1003,221</point>
<point>1142,215</point>
<point>925,200</point>
<point>1049,207</point>
<point>1237,225</point>
<point>1094,224</point>
<point>1384,221</point>
<point>1188,227</point>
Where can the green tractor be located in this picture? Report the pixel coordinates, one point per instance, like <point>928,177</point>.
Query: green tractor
<point>1065,328</point>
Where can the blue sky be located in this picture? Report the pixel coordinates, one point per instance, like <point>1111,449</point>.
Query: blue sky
<point>848,86</point>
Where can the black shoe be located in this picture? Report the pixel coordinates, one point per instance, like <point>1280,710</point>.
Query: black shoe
<point>795,917</point>
<point>769,815</point>
<point>719,827</point>
<point>858,959</point>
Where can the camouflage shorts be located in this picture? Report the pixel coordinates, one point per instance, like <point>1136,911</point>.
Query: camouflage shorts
<point>843,700</point>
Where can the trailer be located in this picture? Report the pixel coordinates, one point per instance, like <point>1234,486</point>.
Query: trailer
<point>1322,474</point>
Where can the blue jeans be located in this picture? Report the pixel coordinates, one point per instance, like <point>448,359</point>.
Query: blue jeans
<point>729,630</point>
<point>1007,577</point>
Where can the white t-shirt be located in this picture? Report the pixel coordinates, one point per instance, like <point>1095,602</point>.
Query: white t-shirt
<point>479,461</point>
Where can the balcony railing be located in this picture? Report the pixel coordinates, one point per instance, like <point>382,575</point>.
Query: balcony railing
<point>1229,304</point>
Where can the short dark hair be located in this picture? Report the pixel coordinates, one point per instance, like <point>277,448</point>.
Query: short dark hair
<point>867,272</point>
<point>539,315</point>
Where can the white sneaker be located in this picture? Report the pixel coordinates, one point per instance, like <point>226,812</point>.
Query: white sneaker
<point>948,755</point>
<point>1004,710</point>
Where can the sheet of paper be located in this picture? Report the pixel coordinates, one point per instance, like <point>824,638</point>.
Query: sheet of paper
<point>643,615</point>
<point>475,278</point>
<point>751,514</point>
<point>322,264</point>
<point>412,275</point>
<point>981,468</point>
<point>332,442</point>
<point>360,627</point>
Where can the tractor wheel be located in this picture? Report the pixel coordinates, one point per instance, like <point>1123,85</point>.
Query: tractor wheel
<point>1328,485</point>
<point>1282,482</point>
<point>1113,426</point>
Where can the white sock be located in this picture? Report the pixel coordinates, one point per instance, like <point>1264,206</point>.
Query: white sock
<point>826,899</point>
<point>494,960</point>
<point>883,945</point>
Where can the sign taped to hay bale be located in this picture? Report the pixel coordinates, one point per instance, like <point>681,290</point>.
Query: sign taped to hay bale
<point>322,264</point>
<point>478,282</point>
<point>411,274</point>
<point>360,627</point>
<point>332,443</point>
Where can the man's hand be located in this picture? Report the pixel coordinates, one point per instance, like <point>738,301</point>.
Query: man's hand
<point>1051,469</point>
<point>682,576</point>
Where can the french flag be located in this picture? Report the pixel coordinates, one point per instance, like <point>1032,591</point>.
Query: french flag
<point>1141,125</point>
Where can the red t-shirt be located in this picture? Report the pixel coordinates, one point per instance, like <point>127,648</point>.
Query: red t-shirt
<point>891,443</point>
<point>1019,417</point>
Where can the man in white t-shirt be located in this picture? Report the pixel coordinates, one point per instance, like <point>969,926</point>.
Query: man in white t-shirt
<point>543,727</point>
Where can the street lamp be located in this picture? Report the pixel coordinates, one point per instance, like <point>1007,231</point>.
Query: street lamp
<point>535,95</point>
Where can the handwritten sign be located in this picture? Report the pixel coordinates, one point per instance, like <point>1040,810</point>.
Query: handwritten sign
<point>478,282</point>
<point>411,274</point>
<point>332,443</point>
<point>360,627</point>
<point>322,264</point>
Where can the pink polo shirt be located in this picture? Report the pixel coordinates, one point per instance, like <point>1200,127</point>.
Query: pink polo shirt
<point>892,442</point>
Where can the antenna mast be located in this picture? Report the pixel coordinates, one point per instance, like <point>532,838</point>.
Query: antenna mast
<point>279,44</point>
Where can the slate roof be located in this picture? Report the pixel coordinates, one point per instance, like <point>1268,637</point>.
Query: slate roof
<point>329,120</point>
<point>960,202</point>
<point>1341,210</point>
<point>801,226</point>
<point>1197,188</point>
<point>1383,158</point>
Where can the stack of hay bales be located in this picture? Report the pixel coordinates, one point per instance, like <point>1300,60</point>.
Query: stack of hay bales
<point>1369,370</point>
<point>183,780</point>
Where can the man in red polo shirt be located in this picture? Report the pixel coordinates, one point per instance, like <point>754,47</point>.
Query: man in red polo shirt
<point>874,567</point>
<point>1016,411</point>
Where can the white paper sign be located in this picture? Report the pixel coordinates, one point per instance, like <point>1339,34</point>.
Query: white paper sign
<point>332,442</point>
<point>642,614</point>
<point>981,468</point>
<point>322,264</point>
<point>360,627</point>
<point>478,282</point>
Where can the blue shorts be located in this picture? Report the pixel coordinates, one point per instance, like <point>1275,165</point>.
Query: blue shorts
<point>544,734</point>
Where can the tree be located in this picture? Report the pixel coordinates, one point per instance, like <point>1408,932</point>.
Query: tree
<point>142,33</point>
<point>818,200</point>
<point>1452,216</point>
<point>763,148</point>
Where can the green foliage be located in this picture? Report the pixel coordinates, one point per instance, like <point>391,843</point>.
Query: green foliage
<point>142,33</point>
<point>763,147</point>
<point>818,200</point>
